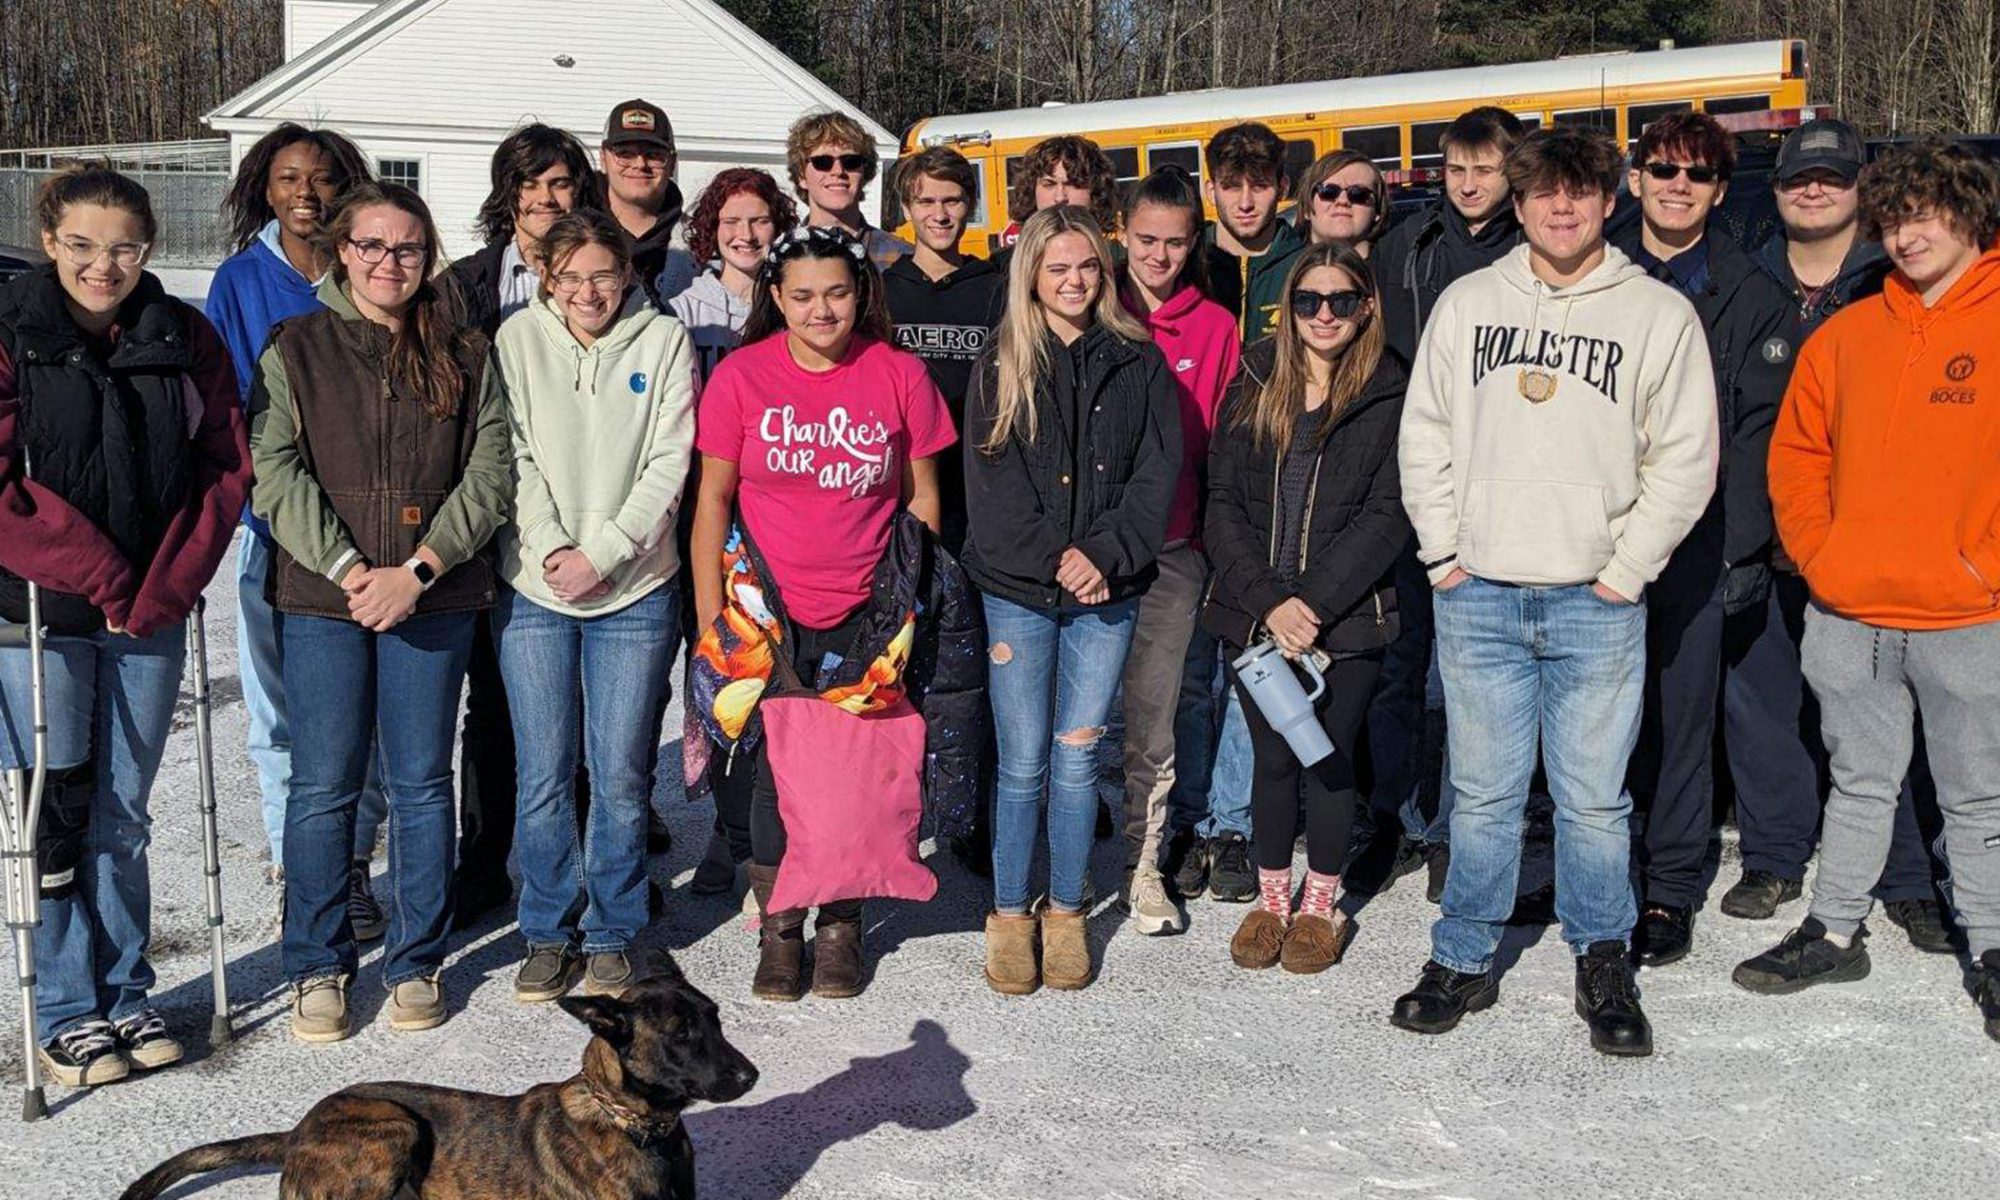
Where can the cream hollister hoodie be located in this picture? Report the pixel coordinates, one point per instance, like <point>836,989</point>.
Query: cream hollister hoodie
<point>602,438</point>
<point>1556,436</point>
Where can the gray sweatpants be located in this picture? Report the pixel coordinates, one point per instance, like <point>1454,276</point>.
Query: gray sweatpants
<point>1871,682</point>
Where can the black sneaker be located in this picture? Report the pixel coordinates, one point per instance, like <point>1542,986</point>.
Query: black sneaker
<point>1441,999</point>
<point>1804,958</point>
<point>1925,922</point>
<point>363,912</point>
<point>85,1056</point>
<point>143,1039</point>
<point>1230,877</point>
<point>1187,861</point>
<point>716,872</point>
<point>1758,894</point>
<point>1665,934</point>
<point>1437,861</point>
<point>1607,998</point>
<point>1986,991</point>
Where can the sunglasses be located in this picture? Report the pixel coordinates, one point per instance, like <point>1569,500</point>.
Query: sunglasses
<point>1666,171</point>
<point>848,162</point>
<point>1357,194</point>
<point>1306,305</point>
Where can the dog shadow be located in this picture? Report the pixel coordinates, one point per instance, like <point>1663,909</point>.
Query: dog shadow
<point>762,1151</point>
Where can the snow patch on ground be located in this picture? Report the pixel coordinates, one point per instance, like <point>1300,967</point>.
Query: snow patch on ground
<point>1177,1075</point>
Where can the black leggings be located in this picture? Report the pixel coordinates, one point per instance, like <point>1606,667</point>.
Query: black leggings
<point>747,784</point>
<point>1329,784</point>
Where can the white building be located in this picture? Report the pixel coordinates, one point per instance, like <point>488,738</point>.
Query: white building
<point>427,88</point>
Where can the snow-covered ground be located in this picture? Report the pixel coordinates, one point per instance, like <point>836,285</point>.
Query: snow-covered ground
<point>1176,1075</point>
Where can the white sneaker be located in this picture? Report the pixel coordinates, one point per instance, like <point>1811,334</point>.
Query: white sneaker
<point>1152,910</point>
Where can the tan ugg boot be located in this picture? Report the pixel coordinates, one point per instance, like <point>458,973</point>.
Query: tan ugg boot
<point>1012,945</point>
<point>1066,964</point>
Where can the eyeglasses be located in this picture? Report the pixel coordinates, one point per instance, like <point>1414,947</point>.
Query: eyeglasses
<point>373,250</point>
<point>1345,303</point>
<point>1357,194</point>
<point>1666,172</point>
<point>82,252</point>
<point>848,162</point>
<point>1827,181</point>
<point>569,283</point>
<point>653,156</point>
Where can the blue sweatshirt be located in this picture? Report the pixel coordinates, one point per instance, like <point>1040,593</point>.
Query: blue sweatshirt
<point>253,290</point>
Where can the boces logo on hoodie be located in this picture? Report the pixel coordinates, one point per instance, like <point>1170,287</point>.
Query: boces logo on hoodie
<point>1558,436</point>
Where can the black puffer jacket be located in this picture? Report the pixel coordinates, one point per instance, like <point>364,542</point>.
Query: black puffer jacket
<point>1355,524</point>
<point>1427,253</point>
<point>1099,474</point>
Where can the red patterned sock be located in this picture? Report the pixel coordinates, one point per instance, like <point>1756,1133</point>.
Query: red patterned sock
<point>1319,894</point>
<point>1274,891</point>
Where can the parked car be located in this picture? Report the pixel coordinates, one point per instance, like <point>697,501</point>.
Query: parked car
<point>18,260</point>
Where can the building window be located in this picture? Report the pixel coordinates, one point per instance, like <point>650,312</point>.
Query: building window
<point>409,172</point>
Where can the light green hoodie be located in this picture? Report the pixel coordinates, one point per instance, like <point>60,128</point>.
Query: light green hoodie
<point>602,440</point>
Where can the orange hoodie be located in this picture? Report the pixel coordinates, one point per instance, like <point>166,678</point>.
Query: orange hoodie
<point>1885,463</point>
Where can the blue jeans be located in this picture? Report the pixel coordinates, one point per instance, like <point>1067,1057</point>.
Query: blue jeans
<point>1561,668</point>
<point>619,661</point>
<point>116,693</point>
<point>351,689</point>
<point>260,665</point>
<point>1211,793</point>
<point>1051,676</point>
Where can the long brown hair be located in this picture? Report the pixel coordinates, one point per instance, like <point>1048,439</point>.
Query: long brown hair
<point>423,354</point>
<point>1275,408</point>
<point>1020,345</point>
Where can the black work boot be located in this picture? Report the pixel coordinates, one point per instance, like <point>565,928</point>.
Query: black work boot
<point>1986,991</point>
<point>1665,934</point>
<point>781,943</point>
<point>1441,999</point>
<point>1607,998</point>
<point>1804,958</point>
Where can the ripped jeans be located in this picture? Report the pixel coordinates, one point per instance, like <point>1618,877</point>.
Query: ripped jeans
<point>1051,677</point>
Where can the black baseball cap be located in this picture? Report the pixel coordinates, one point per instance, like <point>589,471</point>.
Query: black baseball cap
<point>639,123</point>
<point>1827,145</point>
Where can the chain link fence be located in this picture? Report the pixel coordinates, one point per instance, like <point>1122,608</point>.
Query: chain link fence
<point>188,205</point>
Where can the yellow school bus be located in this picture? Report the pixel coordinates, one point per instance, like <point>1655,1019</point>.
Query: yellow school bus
<point>1394,119</point>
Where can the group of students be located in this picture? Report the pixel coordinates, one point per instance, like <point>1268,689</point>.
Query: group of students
<point>1558,472</point>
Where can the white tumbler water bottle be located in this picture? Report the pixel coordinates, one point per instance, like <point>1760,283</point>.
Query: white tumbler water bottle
<point>1270,682</point>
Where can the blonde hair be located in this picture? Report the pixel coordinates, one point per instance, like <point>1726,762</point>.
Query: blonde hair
<point>1273,410</point>
<point>1021,343</point>
<point>828,129</point>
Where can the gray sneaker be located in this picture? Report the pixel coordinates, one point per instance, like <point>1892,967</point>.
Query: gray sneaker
<point>548,972</point>
<point>608,974</point>
<point>417,1004</point>
<point>319,1009</point>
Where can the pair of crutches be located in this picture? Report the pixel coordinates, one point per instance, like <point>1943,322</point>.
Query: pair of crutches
<point>20,819</point>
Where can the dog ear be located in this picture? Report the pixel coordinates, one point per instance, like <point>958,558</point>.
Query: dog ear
<point>661,965</point>
<point>608,1017</point>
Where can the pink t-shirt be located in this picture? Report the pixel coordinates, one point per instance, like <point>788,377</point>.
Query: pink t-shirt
<point>820,459</point>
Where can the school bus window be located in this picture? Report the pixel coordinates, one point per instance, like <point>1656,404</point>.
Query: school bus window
<point>1530,121</point>
<point>1639,116</point>
<point>1738,104</point>
<point>1125,163</point>
<point>1598,118</point>
<point>1383,143</point>
<point>1185,155</point>
<point>1299,154</point>
<point>1008,174</point>
<point>1424,150</point>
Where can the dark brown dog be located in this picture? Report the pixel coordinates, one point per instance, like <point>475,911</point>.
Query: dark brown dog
<point>611,1130</point>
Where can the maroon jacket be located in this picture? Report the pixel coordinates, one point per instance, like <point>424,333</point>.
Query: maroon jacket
<point>45,536</point>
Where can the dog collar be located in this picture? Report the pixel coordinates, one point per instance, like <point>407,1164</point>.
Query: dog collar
<point>642,1127</point>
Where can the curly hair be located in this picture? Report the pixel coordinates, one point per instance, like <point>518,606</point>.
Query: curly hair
<point>707,212</point>
<point>823,129</point>
<point>1932,176</point>
<point>523,155</point>
<point>247,208</point>
<point>1080,159</point>
<point>1571,157</point>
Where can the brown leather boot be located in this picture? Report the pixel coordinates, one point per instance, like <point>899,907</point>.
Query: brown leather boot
<point>837,950</point>
<point>781,942</point>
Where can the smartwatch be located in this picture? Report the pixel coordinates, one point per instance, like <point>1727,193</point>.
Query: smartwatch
<point>422,570</point>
